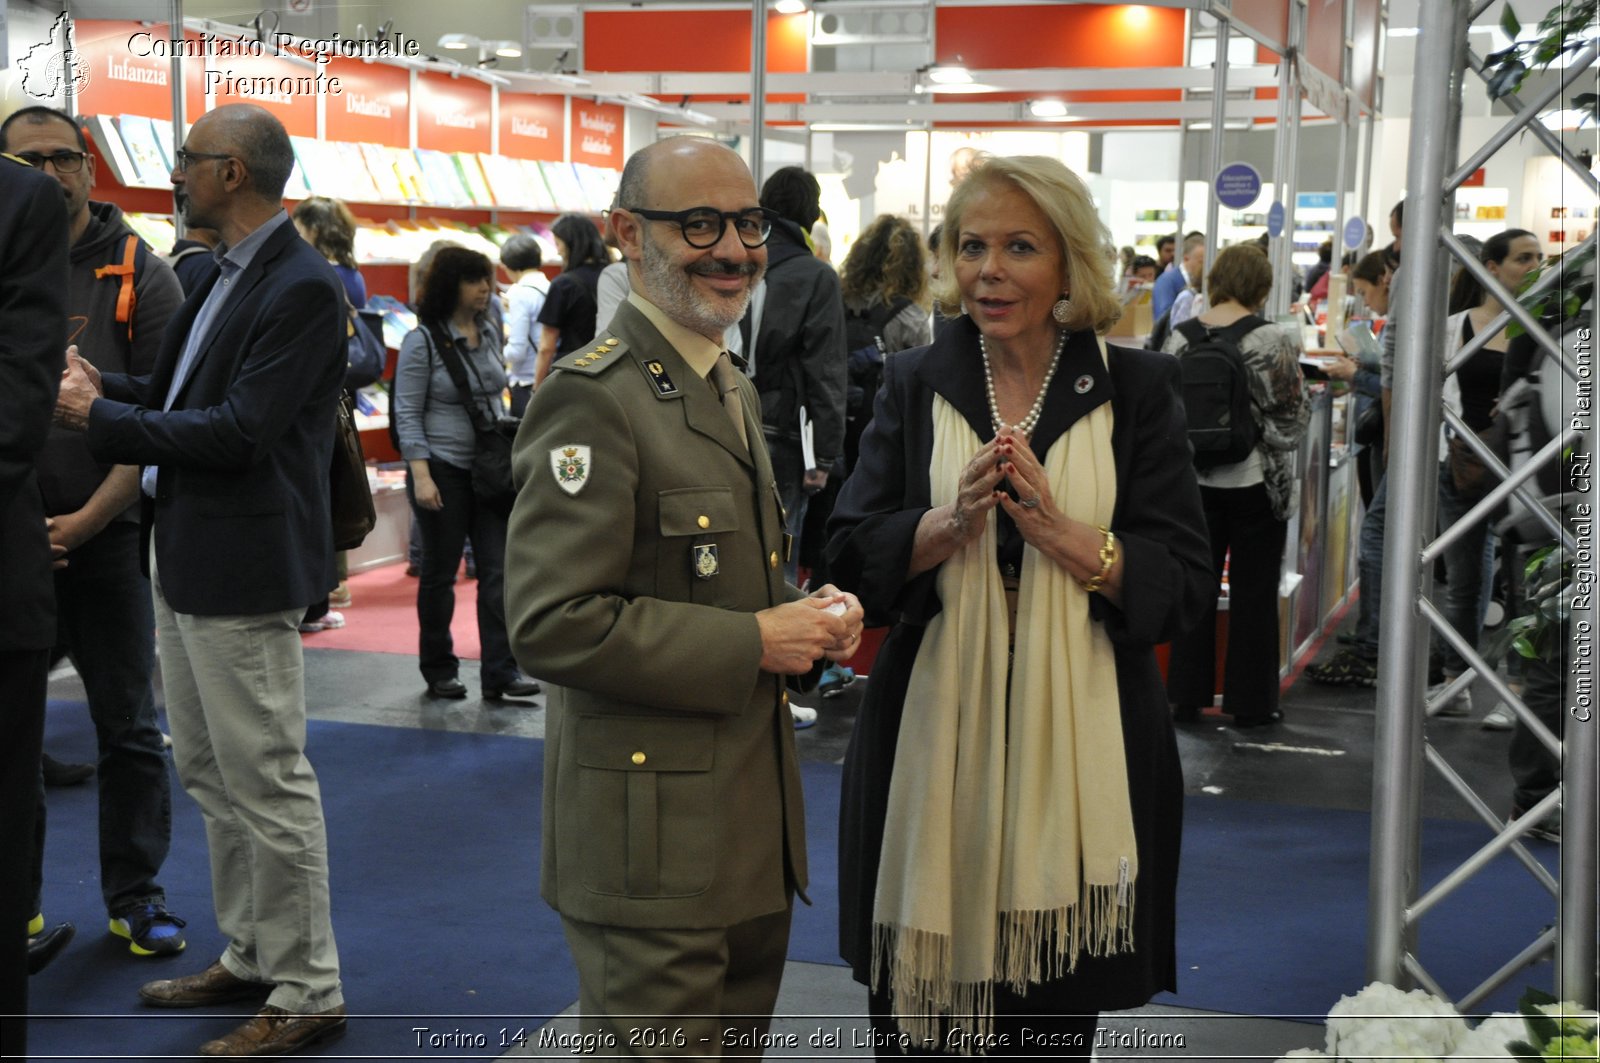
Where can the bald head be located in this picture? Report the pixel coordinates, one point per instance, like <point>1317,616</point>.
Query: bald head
<point>635,188</point>
<point>255,135</point>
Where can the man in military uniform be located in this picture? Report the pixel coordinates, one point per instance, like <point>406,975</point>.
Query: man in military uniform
<point>644,580</point>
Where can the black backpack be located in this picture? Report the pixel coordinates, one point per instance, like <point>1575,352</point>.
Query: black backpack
<point>1216,392</point>
<point>864,340</point>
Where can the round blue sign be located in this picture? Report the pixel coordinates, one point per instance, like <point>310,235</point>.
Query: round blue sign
<point>1238,185</point>
<point>1275,220</point>
<point>1355,233</point>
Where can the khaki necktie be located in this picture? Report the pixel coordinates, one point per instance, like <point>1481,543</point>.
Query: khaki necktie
<point>725,380</point>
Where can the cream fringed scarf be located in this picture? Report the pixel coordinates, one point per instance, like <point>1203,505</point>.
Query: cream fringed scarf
<point>1009,837</point>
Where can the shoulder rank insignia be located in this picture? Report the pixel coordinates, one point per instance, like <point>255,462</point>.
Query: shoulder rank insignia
<point>571,464</point>
<point>658,376</point>
<point>595,358</point>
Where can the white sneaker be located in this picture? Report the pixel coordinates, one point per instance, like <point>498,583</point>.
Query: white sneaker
<point>804,716</point>
<point>1459,705</point>
<point>1499,719</point>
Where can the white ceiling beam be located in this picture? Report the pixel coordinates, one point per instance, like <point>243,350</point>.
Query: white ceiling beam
<point>883,83</point>
<point>983,113</point>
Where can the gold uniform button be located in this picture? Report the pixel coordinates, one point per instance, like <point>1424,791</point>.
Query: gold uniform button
<point>786,697</point>
<point>638,758</point>
<point>773,560</point>
<point>703,520</point>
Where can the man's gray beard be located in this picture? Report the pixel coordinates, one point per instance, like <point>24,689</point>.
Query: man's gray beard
<point>672,289</point>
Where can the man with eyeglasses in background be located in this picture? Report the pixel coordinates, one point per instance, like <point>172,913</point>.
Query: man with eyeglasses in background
<point>234,428</point>
<point>644,582</point>
<point>120,295</point>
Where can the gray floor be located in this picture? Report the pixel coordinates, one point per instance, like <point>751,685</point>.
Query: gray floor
<point>821,1015</point>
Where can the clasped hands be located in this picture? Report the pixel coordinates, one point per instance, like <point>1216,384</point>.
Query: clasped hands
<point>794,635</point>
<point>80,386</point>
<point>1006,457</point>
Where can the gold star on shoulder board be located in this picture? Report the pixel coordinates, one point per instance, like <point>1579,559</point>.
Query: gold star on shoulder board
<point>595,358</point>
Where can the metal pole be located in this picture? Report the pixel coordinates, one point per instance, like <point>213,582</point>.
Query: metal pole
<point>1575,919</point>
<point>1291,170</point>
<point>179,223</point>
<point>758,86</point>
<point>1280,173</point>
<point>1412,492</point>
<point>1219,113</point>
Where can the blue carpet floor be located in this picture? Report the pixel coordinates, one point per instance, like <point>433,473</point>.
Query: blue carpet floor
<point>434,841</point>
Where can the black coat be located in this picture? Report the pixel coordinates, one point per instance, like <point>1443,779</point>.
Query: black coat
<point>33,343</point>
<point>1167,580</point>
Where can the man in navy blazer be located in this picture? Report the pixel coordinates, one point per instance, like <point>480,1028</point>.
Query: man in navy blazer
<point>234,429</point>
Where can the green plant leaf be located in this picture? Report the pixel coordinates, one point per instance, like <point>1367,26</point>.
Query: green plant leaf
<point>1509,23</point>
<point>1525,648</point>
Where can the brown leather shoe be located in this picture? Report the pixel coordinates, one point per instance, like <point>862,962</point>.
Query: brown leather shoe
<point>214,985</point>
<point>275,1032</point>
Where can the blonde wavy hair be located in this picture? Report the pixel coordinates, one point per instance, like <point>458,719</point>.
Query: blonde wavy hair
<point>1064,199</point>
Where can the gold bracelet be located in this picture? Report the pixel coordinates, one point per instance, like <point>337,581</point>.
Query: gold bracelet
<point>1108,559</point>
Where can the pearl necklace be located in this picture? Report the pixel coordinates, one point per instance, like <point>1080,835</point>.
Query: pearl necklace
<point>1025,426</point>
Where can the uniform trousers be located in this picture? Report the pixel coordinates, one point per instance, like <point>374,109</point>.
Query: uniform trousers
<point>235,692</point>
<point>662,993</point>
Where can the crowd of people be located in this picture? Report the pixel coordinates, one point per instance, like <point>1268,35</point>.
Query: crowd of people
<point>754,455</point>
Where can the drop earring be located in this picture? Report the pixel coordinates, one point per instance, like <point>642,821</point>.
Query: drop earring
<point>1062,310</point>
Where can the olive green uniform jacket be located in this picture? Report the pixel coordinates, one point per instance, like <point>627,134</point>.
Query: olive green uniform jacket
<point>644,539</point>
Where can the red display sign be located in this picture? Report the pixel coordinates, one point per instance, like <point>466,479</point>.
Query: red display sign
<point>287,89</point>
<point>597,134</point>
<point>128,68</point>
<point>533,127</point>
<point>1325,37</point>
<point>452,113</point>
<point>373,105</point>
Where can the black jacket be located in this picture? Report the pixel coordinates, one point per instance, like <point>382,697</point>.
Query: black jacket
<point>800,355</point>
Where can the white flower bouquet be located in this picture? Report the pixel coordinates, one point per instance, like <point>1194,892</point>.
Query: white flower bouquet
<point>1382,1023</point>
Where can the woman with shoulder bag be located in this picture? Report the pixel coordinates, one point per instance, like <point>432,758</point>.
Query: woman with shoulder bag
<point>438,421</point>
<point>1472,391</point>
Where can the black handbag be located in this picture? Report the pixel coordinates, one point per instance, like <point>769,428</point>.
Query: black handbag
<point>491,457</point>
<point>349,494</point>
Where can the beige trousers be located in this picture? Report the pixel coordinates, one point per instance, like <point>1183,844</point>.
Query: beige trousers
<point>235,693</point>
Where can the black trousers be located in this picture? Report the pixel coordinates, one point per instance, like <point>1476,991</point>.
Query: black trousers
<point>23,681</point>
<point>1245,534</point>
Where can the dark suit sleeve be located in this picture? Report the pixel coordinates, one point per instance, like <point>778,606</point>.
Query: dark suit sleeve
<point>874,525</point>
<point>1159,523</point>
<point>262,402</point>
<point>33,315</point>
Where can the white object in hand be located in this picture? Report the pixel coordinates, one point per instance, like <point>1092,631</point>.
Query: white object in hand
<point>837,609</point>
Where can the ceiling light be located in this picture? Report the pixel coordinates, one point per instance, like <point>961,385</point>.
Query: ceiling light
<point>1404,31</point>
<point>1047,108</point>
<point>458,41</point>
<point>950,73</point>
<point>504,49</point>
<point>790,7</point>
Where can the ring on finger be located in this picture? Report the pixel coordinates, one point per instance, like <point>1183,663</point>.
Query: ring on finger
<point>1030,503</point>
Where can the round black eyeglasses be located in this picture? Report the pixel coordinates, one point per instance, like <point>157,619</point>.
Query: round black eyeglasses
<point>702,227</point>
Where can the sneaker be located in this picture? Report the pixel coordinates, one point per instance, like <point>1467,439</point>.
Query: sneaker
<point>150,930</point>
<point>339,598</point>
<point>1499,719</point>
<point>1460,704</point>
<point>1345,668</point>
<point>1547,829</point>
<point>329,621</point>
<point>834,679</point>
<point>803,716</point>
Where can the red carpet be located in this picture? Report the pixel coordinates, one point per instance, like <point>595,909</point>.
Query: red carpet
<point>383,616</point>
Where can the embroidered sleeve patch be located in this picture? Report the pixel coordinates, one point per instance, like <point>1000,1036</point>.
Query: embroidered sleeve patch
<point>571,463</point>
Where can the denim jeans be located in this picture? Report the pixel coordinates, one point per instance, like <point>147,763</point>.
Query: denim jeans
<point>788,468</point>
<point>444,533</point>
<point>106,625</point>
<point>1469,567</point>
<point>1371,568</point>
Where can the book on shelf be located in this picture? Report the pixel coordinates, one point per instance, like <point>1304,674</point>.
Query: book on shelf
<point>472,178</point>
<point>441,183</point>
<point>144,151</point>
